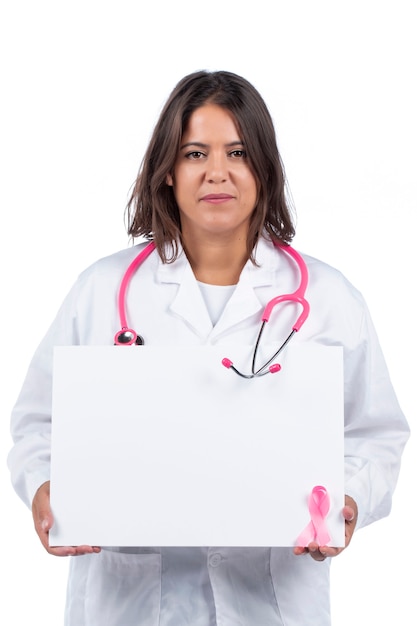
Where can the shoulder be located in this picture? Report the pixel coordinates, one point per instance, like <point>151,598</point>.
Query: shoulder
<point>323,276</point>
<point>113,265</point>
<point>337,306</point>
<point>334,301</point>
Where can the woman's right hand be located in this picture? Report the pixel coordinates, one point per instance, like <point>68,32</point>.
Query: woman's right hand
<point>43,519</point>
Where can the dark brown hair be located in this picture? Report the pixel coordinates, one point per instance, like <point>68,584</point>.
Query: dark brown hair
<point>152,211</point>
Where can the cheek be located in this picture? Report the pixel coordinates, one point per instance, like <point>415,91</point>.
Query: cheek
<point>183,184</point>
<point>248,181</point>
<point>252,191</point>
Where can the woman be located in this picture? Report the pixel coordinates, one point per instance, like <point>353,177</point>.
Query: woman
<point>211,195</point>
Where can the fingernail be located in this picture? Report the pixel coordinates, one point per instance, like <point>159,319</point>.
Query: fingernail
<point>44,524</point>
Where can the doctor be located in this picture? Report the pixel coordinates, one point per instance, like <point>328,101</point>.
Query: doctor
<point>211,195</point>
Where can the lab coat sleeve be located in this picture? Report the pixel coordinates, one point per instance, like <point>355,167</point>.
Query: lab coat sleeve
<point>29,458</point>
<point>376,430</point>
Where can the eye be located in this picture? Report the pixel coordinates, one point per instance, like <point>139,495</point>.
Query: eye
<point>194,155</point>
<point>238,154</point>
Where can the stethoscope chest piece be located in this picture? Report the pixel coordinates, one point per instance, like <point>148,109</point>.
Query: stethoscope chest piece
<point>128,337</point>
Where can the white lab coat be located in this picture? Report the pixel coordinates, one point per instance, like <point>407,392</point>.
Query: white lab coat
<point>216,585</point>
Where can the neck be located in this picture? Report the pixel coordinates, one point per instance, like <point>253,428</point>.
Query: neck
<point>218,263</point>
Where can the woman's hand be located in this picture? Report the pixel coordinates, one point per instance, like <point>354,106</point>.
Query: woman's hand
<point>319,553</point>
<point>43,519</point>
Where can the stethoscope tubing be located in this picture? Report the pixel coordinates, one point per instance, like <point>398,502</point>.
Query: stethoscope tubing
<point>127,336</point>
<point>137,261</point>
<point>298,296</point>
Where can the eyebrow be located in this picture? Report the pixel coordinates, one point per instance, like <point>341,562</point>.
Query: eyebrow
<point>199,144</point>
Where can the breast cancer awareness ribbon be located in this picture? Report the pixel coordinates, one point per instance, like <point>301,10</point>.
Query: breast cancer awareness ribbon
<point>316,529</point>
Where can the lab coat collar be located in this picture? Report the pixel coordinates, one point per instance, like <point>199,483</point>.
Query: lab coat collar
<point>188,303</point>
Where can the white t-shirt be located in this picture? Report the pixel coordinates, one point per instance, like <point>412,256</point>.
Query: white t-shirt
<point>216,297</point>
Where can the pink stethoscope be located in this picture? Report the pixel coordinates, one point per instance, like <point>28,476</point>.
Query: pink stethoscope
<point>127,336</point>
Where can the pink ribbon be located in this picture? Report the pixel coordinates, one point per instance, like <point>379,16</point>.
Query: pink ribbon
<point>316,529</point>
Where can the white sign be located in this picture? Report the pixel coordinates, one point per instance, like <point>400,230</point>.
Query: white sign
<point>157,446</point>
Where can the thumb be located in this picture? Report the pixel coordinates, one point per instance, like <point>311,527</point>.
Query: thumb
<point>46,521</point>
<point>41,509</point>
<point>348,513</point>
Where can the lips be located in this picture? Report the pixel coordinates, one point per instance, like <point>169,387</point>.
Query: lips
<point>217,198</point>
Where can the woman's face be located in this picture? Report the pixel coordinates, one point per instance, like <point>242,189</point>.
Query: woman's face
<point>215,190</point>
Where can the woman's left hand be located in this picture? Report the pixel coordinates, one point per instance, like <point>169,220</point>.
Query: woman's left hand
<point>319,553</point>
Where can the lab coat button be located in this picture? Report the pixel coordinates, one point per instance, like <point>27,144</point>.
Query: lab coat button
<point>215,560</point>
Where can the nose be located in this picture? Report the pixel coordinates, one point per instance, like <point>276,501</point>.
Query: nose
<point>217,169</point>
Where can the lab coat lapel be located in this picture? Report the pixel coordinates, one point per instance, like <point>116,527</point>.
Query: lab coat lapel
<point>242,304</point>
<point>246,300</point>
<point>188,302</point>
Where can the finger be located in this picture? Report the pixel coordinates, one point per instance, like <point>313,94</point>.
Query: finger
<point>312,547</point>
<point>315,552</point>
<point>299,550</point>
<point>330,552</point>
<point>80,550</point>
<point>62,551</point>
<point>73,550</point>
<point>317,555</point>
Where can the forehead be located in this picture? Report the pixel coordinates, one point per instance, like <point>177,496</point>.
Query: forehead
<point>211,119</point>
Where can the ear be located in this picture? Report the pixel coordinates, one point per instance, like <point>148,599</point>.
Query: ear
<point>169,180</point>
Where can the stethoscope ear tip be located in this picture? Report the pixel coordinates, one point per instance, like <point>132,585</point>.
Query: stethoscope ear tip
<point>275,368</point>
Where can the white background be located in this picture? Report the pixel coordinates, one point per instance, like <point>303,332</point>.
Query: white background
<point>82,84</point>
